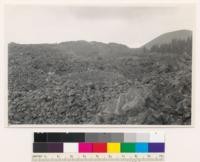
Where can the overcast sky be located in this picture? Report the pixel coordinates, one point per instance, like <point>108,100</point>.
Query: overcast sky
<point>133,26</point>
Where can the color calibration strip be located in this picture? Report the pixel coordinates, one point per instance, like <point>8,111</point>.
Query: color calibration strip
<point>98,143</point>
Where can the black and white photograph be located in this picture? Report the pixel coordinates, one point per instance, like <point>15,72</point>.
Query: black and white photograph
<point>100,65</point>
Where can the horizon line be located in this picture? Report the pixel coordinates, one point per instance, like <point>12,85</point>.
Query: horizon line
<point>91,41</point>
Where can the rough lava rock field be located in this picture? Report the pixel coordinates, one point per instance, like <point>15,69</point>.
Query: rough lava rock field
<point>84,82</point>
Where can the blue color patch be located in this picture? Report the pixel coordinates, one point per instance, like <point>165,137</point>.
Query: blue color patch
<point>141,147</point>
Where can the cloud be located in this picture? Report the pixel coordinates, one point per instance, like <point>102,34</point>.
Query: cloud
<point>132,26</point>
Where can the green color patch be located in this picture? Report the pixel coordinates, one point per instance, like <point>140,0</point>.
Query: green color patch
<point>127,147</point>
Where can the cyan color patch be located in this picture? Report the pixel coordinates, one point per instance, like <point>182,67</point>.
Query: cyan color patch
<point>141,147</point>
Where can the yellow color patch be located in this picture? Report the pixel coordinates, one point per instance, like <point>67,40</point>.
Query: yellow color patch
<point>113,147</point>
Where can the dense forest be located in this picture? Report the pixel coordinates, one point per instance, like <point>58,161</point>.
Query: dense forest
<point>175,46</point>
<point>84,82</point>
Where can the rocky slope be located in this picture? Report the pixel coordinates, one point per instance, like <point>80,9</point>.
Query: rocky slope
<point>97,83</point>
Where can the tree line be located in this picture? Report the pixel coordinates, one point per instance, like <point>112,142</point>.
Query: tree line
<point>175,46</point>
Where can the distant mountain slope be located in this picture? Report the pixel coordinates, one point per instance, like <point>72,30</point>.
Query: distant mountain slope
<point>82,49</point>
<point>93,49</point>
<point>168,37</point>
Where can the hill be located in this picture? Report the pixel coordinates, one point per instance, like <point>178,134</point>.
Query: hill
<point>168,37</point>
<point>95,49</point>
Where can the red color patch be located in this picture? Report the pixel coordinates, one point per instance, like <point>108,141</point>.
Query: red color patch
<point>99,147</point>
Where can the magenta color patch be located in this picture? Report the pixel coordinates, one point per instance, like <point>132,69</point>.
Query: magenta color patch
<point>85,147</point>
